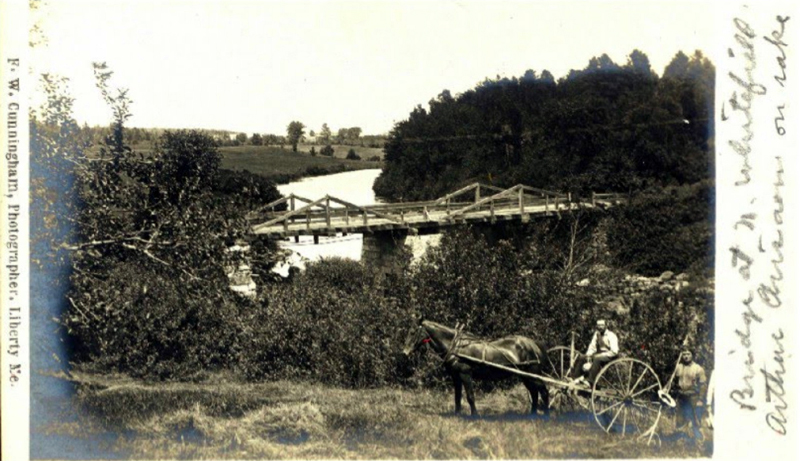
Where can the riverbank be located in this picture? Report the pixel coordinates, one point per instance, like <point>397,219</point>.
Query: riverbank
<point>225,419</point>
<point>283,166</point>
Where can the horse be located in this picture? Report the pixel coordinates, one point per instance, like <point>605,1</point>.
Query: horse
<point>453,345</point>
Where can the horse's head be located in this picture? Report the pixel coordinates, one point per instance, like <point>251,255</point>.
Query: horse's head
<point>415,337</point>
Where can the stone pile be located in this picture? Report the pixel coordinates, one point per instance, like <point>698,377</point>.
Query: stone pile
<point>618,293</point>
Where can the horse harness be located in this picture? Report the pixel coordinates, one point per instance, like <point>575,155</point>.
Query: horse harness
<point>451,356</point>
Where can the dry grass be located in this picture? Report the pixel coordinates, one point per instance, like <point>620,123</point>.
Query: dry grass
<point>287,420</point>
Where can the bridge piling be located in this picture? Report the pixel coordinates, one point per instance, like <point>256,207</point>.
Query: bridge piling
<point>384,250</point>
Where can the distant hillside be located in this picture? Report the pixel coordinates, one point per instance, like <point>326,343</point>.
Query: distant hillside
<point>607,127</point>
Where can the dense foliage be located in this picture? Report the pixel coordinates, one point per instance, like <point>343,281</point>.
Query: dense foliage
<point>604,128</point>
<point>502,289</point>
<point>665,229</point>
<point>334,324</point>
<point>144,239</point>
<point>343,324</point>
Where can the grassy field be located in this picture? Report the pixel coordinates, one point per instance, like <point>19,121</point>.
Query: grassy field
<point>340,151</point>
<point>220,419</point>
<point>278,164</point>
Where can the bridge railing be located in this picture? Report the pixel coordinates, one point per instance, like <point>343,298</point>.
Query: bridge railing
<point>325,213</point>
<point>613,198</point>
<point>271,210</point>
<point>523,198</point>
<point>454,202</point>
<point>329,213</point>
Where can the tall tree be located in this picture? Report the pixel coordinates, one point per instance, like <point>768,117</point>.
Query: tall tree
<point>353,134</point>
<point>325,134</point>
<point>341,135</point>
<point>295,132</point>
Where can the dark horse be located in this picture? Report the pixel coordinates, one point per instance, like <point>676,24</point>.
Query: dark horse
<point>517,352</point>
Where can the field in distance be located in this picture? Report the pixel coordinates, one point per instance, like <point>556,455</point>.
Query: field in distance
<point>341,150</point>
<point>283,165</point>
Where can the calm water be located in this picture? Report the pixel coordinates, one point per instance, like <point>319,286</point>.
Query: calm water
<point>354,187</point>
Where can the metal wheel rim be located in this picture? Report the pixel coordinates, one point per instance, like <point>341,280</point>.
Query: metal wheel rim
<point>625,391</point>
<point>562,398</point>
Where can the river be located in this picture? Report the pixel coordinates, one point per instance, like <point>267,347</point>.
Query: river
<point>354,187</point>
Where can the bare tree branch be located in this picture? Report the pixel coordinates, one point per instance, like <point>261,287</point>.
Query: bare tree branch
<point>81,311</point>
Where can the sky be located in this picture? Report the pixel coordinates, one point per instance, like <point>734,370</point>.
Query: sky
<point>255,66</point>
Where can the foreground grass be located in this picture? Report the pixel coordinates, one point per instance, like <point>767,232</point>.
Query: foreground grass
<point>284,165</point>
<point>283,420</point>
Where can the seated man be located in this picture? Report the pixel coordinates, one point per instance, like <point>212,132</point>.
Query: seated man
<point>603,349</point>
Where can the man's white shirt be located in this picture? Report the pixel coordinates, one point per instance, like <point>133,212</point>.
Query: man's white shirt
<point>609,339</point>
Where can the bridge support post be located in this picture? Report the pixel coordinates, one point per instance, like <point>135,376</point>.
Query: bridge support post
<point>385,250</point>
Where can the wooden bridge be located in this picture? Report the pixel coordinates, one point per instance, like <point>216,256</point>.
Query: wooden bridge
<point>476,203</point>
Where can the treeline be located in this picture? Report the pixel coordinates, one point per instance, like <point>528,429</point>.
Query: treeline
<point>607,127</point>
<point>140,137</point>
<point>144,137</point>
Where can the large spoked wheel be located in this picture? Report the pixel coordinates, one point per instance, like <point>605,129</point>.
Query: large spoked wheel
<point>625,399</point>
<point>564,399</point>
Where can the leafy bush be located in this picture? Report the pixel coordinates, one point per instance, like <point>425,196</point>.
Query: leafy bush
<point>351,155</point>
<point>332,325</point>
<point>657,324</point>
<point>143,320</point>
<point>315,170</point>
<point>495,290</point>
<point>326,151</point>
<point>244,189</point>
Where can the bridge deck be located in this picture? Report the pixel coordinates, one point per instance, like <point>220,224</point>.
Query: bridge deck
<point>329,216</point>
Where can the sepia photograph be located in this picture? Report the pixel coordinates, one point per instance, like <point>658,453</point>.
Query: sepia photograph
<point>397,230</point>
